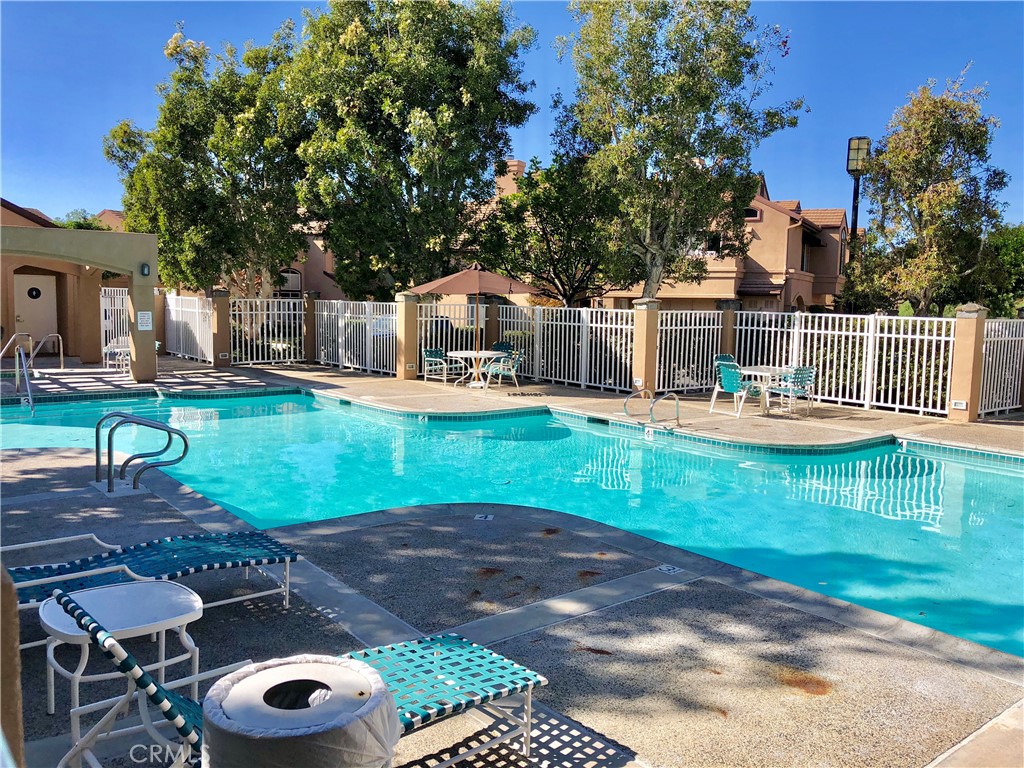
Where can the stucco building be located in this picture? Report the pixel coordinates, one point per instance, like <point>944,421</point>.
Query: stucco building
<point>795,262</point>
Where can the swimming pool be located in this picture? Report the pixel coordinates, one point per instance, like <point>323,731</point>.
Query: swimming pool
<point>924,537</point>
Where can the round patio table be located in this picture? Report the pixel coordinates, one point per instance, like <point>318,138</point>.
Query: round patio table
<point>476,360</point>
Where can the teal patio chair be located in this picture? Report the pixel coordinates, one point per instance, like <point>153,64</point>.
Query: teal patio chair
<point>503,346</point>
<point>507,366</point>
<point>731,382</point>
<point>169,558</point>
<point>725,357</point>
<point>799,383</point>
<point>430,678</point>
<point>436,365</point>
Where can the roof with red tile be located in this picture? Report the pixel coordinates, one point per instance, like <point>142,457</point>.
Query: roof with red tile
<point>793,205</point>
<point>825,217</point>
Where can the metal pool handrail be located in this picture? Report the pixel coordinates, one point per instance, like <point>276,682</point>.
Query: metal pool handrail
<point>39,346</point>
<point>625,403</point>
<point>128,418</point>
<point>20,364</point>
<point>15,338</point>
<point>657,400</point>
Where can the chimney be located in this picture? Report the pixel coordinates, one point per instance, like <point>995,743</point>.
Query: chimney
<point>508,184</point>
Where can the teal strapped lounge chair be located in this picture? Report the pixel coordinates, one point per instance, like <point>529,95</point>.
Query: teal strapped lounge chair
<point>502,346</point>
<point>799,383</point>
<point>436,365</point>
<point>730,382</point>
<point>506,366</point>
<point>430,679</point>
<point>725,357</point>
<point>169,558</point>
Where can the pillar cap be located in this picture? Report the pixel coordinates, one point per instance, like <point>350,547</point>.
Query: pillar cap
<point>407,297</point>
<point>312,294</point>
<point>971,310</point>
<point>220,293</point>
<point>647,304</point>
<point>734,304</point>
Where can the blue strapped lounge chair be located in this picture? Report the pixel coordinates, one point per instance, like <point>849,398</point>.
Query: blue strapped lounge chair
<point>437,365</point>
<point>430,678</point>
<point>169,558</point>
<point>731,382</point>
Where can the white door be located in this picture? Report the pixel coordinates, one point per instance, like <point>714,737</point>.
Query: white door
<point>35,306</point>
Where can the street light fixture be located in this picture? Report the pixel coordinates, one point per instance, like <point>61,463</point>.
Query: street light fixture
<point>858,149</point>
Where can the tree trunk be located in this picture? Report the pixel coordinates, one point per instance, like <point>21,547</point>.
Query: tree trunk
<point>655,272</point>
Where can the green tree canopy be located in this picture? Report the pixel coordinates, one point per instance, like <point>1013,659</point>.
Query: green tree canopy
<point>557,232</point>
<point>79,218</point>
<point>215,178</point>
<point>410,105</point>
<point>670,92</point>
<point>933,195</point>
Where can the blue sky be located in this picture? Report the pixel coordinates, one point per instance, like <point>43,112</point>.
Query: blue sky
<point>70,71</point>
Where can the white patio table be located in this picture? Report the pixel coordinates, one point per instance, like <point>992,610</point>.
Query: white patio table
<point>476,360</point>
<point>132,609</point>
<point>767,376</point>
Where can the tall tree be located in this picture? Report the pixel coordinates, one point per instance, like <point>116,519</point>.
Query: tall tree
<point>932,192</point>
<point>412,103</point>
<point>671,93</point>
<point>558,231</point>
<point>215,178</point>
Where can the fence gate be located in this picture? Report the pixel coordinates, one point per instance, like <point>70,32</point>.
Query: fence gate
<point>267,331</point>
<point>1002,366</point>
<point>114,315</point>
<point>188,327</point>
<point>586,347</point>
<point>360,335</point>
<point>687,344</point>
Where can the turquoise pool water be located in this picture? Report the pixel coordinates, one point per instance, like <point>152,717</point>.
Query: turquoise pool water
<point>931,540</point>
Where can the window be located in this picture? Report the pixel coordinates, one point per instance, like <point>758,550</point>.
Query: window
<point>291,288</point>
<point>714,242</point>
<point>751,214</point>
<point>842,248</point>
<point>805,258</point>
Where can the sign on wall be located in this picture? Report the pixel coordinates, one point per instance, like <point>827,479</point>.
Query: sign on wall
<point>145,321</point>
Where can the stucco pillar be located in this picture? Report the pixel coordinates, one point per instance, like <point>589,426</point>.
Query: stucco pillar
<point>729,308</point>
<point>493,327</point>
<point>965,376</point>
<point>10,661</point>
<point>407,336</point>
<point>88,324</point>
<point>221,323</point>
<point>142,336</point>
<point>309,324</point>
<point>160,321</point>
<point>645,343</point>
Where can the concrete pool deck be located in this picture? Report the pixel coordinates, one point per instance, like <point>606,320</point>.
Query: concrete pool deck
<point>697,663</point>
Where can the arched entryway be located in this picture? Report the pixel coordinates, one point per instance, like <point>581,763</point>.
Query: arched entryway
<point>83,254</point>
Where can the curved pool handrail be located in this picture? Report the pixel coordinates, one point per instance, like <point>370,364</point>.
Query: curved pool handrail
<point>625,403</point>
<point>658,399</point>
<point>128,418</point>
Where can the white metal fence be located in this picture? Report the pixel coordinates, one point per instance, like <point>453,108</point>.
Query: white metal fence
<point>360,335</point>
<point>902,363</point>
<point>114,314</point>
<point>687,345</point>
<point>451,327</point>
<point>267,331</point>
<point>585,347</point>
<point>188,327</point>
<point>1002,366</point>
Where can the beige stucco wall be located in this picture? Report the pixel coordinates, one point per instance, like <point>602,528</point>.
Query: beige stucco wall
<point>317,262</point>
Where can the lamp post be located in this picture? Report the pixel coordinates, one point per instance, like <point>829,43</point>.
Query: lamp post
<point>857,150</point>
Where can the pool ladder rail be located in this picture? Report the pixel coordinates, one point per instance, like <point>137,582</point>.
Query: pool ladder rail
<point>21,367</point>
<point>128,418</point>
<point>654,401</point>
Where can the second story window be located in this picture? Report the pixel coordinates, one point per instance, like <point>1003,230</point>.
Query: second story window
<point>292,287</point>
<point>714,244</point>
<point>805,258</point>
<point>752,214</point>
<point>842,249</point>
